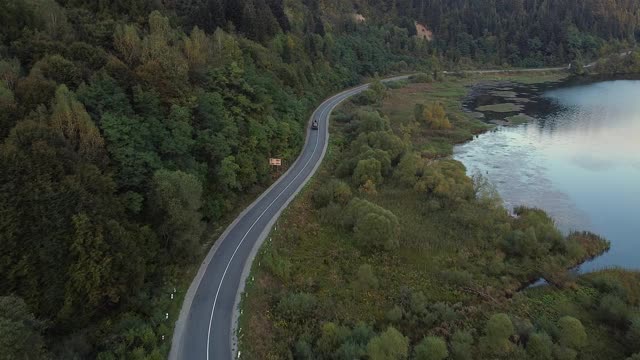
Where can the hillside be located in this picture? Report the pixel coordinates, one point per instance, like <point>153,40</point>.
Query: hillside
<point>132,131</point>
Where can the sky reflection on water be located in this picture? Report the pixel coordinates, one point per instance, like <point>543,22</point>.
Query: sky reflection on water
<point>579,162</point>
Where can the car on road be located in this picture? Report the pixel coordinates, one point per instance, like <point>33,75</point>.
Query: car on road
<point>314,124</point>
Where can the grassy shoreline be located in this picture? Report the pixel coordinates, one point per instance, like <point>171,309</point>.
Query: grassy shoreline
<point>315,274</point>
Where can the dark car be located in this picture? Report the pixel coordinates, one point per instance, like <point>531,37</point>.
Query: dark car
<point>314,124</point>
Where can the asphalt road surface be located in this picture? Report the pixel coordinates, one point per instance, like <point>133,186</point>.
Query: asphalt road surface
<point>205,328</point>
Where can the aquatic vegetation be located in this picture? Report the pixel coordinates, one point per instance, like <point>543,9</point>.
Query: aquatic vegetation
<point>501,108</point>
<point>519,119</point>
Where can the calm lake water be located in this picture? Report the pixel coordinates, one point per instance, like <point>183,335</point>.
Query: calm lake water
<point>579,160</point>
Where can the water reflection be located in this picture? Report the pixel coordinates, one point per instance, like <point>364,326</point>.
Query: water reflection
<point>580,161</point>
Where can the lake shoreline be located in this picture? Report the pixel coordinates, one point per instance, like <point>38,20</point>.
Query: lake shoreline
<point>469,106</point>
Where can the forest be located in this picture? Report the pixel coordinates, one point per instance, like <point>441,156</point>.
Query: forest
<point>131,130</point>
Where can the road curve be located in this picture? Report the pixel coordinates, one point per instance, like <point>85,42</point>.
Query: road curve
<point>205,329</point>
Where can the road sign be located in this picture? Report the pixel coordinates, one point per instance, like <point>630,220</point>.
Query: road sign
<point>275,162</point>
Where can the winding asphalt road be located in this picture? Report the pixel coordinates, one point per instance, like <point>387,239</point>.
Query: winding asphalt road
<point>205,329</point>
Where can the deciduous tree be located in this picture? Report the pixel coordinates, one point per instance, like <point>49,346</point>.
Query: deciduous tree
<point>20,332</point>
<point>390,345</point>
<point>540,346</point>
<point>431,348</point>
<point>571,333</point>
<point>497,332</point>
<point>177,198</point>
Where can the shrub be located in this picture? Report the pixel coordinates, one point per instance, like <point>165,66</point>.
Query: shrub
<point>367,97</point>
<point>614,311</point>
<point>341,192</point>
<point>390,345</point>
<point>369,187</point>
<point>379,90</point>
<point>433,115</point>
<point>564,353</point>
<point>277,265</point>
<point>383,140</point>
<point>303,350</point>
<point>433,205</point>
<point>457,277</point>
<point>571,333</point>
<point>633,334</point>
<point>331,214</point>
<point>421,78</point>
<point>358,208</point>
<point>418,303</point>
<point>367,170</point>
<point>296,306</point>
<point>395,314</point>
<point>372,224</point>
<point>540,346</point>
<point>366,279</point>
<point>461,345</point>
<point>370,121</point>
<point>497,332</point>
<point>447,180</point>
<point>341,116</point>
<point>334,191</point>
<point>377,231</point>
<point>499,326</point>
<point>61,70</point>
<point>556,274</point>
<point>382,156</point>
<point>608,285</point>
<point>346,167</point>
<point>431,348</point>
<point>584,244</point>
<point>544,227</point>
<point>332,337</point>
<point>523,328</point>
<point>524,244</point>
<point>406,172</point>
<point>396,84</point>
<point>322,197</point>
<point>485,191</point>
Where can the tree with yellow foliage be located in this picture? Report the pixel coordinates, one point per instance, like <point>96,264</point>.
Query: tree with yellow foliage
<point>71,120</point>
<point>433,115</point>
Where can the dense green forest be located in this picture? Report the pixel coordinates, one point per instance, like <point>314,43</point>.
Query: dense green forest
<point>127,128</point>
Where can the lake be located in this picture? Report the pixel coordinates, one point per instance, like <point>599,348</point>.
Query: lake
<point>578,158</point>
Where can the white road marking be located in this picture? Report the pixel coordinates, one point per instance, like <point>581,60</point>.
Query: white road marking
<point>255,222</point>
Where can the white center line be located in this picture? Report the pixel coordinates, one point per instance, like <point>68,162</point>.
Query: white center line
<point>322,114</point>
